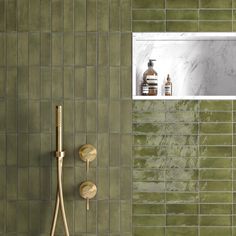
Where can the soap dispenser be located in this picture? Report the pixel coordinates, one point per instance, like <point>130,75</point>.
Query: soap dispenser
<point>150,79</point>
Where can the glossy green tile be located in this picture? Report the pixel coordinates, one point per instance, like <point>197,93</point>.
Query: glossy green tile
<point>126,118</point>
<point>45,49</point>
<point>22,216</point>
<point>181,14</point>
<point>149,117</point>
<point>80,116</point>
<point>186,26</point>
<point>215,220</point>
<point>10,152</point>
<point>23,47</point>
<point>45,15</point>
<point>182,186</point>
<point>148,26</point>
<point>215,105</point>
<point>91,116</point>
<point>115,77</point>
<point>57,83</point>
<point>142,106</point>
<point>125,180</point>
<point>11,15</point>
<point>125,82</point>
<point>80,82</point>
<point>34,16</point>
<point>34,212</point>
<point>144,14</point>
<point>91,13</point>
<point>11,115</point>
<point>215,128</point>
<point>215,197</point>
<point>126,150</point>
<point>148,128</point>
<point>23,116</point>
<point>103,49</point>
<point>126,47</point>
<point>69,120</point>
<point>114,216</point>
<point>3,183</point>
<point>23,15</point>
<point>68,49</point>
<point>206,151</point>
<point>34,82</point>
<point>114,15</point>
<point>11,217</point>
<point>11,79</point>
<point>213,209</point>
<point>103,83</point>
<point>103,216</point>
<point>68,15</point>
<point>45,108</point>
<point>103,120</point>
<point>215,186</point>
<point>11,183</point>
<point>69,84</point>
<point>215,4</point>
<point>11,49</point>
<point>2,50</point>
<point>181,129</point>
<point>114,149</point>
<point>46,82</point>
<point>2,116</point>
<point>155,152</point>
<point>181,4</point>
<point>215,26</point>
<point>114,49</point>
<point>34,49</point>
<point>57,11</point>
<point>57,48</point>
<point>181,174</point>
<point>215,15</point>
<point>80,15</point>
<point>215,116</point>
<point>217,231</point>
<point>80,211</point>
<point>126,217</point>
<point>23,183</point>
<point>182,197</point>
<point>80,49</point>
<point>114,116</point>
<point>148,4</point>
<point>182,209</point>
<point>148,198</point>
<point>215,162</point>
<point>188,231</point>
<point>216,139</point>
<point>148,209</point>
<point>22,152</point>
<point>181,220</point>
<point>34,116</point>
<point>183,116</point>
<point>125,16</point>
<point>149,220</point>
<point>34,149</point>
<point>91,49</point>
<point>140,231</point>
<point>2,16</point>
<point>215,174</point>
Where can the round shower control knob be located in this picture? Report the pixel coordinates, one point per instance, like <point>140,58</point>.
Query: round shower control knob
<point>88,190</point>
<point>87,153</point>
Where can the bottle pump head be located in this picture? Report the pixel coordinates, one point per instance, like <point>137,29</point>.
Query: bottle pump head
<point>168,77</point>
<point>150,63</point>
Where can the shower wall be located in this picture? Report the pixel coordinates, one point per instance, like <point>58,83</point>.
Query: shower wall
<point>76,53</point>
<point>183,151</point>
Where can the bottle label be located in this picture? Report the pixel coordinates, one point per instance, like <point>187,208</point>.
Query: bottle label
<point>168,89</point>
<point>151,79</point>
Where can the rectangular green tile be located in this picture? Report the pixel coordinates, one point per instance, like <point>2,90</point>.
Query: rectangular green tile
<point>215,197</point>
<point>126,118</point>
<point>215,26</point>
<point>103,110</point>
<point>115,83</point>
<point>91,13</point>
<point>148,4</point>
<point>215,116</point>
<point>126,217</point>
<point>34,82</point>
<point>68,15</point>
<point>214,209</point>
<point>149,117</point>
<point>114,49</point>
<point>183,116</point>
<point>181,4</point>
<point>182,197</point>
<point>91,116</point>
<point>11,217</point>
<point>45,15</point>
<point>215,4</point>
<point>187,231</point>
<point>181,14</point>
<point>114,15</point>
<point>46,82</point>
<point>91,49</point>
<point>182,209</point>
<point>45,109</point>
<point>80,15</point>
<point>103,216</point>
<point>2,82</point>
<point>103,49</point>
<point>11,183</point>
<point>69,120</point>
<point>114,216</point>
<point>217,231</point>
<point>103,184</point>
<point>23,184</point>
<point>148,26</point>
<point>34,15</point>
<point>215,174</point>
<point>45,49</point>
<point>215,162</point>
<point>68,49</point>
<point>140,231</point>
<point>148,198</point>
<point>180,26</point>
<point>125,82</point>
<point>34,116</point>
<point>11,115</point>
<point>126,47</point>
<point>148,209</point>
<point>57,49</point>
<point>57,82</point>
<point>144,14</point>
<point>181,220</point>
<point>23,15</point>
<point>215,128</point>
<point>216,139</point>
<point>114,116</point>
<point>125,15</point>
<point>149,220</point>
<point>181,174</point>
<point>11,49</point>
<point>69,83</point>
<point>23,116</point>
<point>34,49</point>
<point>22,216</point>
<point>22,50</point>
<point>142,106</point>
<point>80,82</point>
<point>11,15</point>
<point>206,151</point>
<point>215,220</point>
<point>215,186</point>
<point>57,11</point>
<point>215,105</point>
<point>2,16</point>
<point>215,15</point>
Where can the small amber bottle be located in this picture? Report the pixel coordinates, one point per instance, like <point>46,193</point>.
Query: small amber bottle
<point>168,86</point>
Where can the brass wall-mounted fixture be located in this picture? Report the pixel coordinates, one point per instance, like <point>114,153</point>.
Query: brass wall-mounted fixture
<point>59,154</point>
<point>87,153</point>
<point>88,190</point>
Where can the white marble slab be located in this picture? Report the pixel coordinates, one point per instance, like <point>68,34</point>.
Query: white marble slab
<point>199,64</point>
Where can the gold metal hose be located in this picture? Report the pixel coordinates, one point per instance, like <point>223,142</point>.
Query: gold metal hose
<point>59,155</point>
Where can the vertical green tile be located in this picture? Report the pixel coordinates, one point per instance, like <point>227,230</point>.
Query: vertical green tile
<point>103,15</point>
<point>2,15</point>
<point>115,15</point>
<point>23,47</point>
<point>34,213</point>
<point>12,49</point>
<point>103,184</point>
<point>91,49</point>
<point>34,49</point>
<point>11,154</point>
<point>23,15</point>
<point>114,116</point>
<point>45,179</point>
<point>34,82</point>
<point>125,15</point>
<point>23,145</point>
<point>3,183</point>
<point>126,49</point>
<point>126,118</point>
<point>80,217</point>
<point>3,150</point>
<point>68,15</point>
<point>11,115</point>
<point>91,218</point>
<point>45,111</point>
<point>126,150</point>
<point>114,150</point>
<point>57,48</point>
<point>46,82</point>
<point>23,82</point>
<point>103,49</point>
<point>57,83</point>
<point>57,12</point>
<point>11,15</point>
<point>22,216</point>
<point>125,183</point>
<point>80,82</point>
<point>103,216</point>
<point>115,78</point>
<point>91,15</point>
<point>80,49</point>
<point>34,15</point>
<point>45,15</point>
<point>68,49</point>
<point>69,120</point>
<point>103,109</point>
<point>23,119</point>
<point>91,116</point>
<point>114,216</point>
<point>114,183</point>
<point>80,15</point>
<point>103,81</point>
<point>114,46</point>
<point>80,116</point>
<point>125,83</point>
<point>11,218</point>
<point>103,150</point>
<point>46,216</point>
<point>46,147</point>
<point>126,216</point>
<point>34,116</point>
<point>34,149</point>
<point>2,82</point>
<point>12,183</point>
<point>11,87</point>
<point>69,82</point>
<point>45,49</point>
<point>23,183</point>
<point>91,82</point>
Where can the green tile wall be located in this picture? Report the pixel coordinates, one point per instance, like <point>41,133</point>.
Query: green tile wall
<point>76,53</point>
<point>183,151</point>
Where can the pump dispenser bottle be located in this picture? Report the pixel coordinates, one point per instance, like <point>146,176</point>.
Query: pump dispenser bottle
<point>150,80</point>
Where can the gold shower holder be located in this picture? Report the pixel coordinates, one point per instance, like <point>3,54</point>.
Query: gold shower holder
<point>87,154</point>
<point>88,190</point>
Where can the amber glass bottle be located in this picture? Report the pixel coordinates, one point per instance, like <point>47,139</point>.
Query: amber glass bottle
<point>168,86</point>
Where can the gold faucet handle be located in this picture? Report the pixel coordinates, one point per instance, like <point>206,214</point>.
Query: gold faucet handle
<point>87,153</point>
<point>88,190</point>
